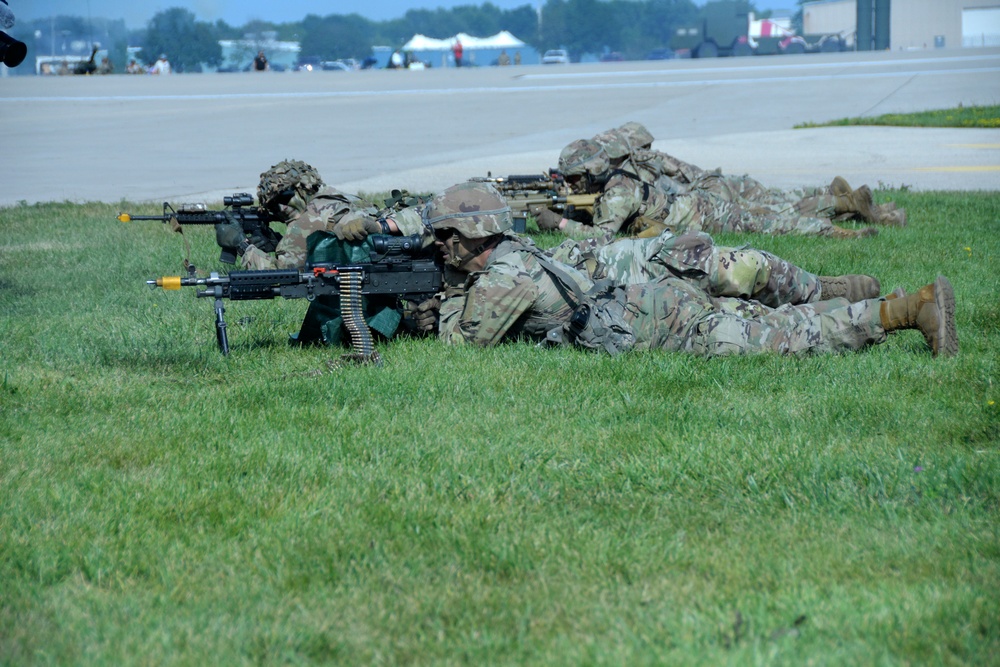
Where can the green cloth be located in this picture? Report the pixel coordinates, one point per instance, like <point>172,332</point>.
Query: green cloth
<point>323,322</point>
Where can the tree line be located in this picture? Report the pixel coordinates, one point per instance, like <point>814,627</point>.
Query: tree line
<point>629,27</point>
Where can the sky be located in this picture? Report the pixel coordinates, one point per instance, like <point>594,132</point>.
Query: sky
<point>239,12</point>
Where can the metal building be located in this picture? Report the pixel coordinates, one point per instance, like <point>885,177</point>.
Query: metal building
<point>906,24</point>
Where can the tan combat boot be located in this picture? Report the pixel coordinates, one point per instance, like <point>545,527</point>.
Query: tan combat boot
<point>844,233</point>
<point>852,287</point>
<point>931,309</point>
<point>839,186</point>
<point>859,202</point>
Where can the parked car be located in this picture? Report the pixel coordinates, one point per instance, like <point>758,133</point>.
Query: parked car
<point>555,57</point>
<point>308,64</point>
<point>335,66</point>
<point>660,54</point>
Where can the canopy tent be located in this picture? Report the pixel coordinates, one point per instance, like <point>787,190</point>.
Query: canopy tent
<point>501,40</point>
<point>476,50</point>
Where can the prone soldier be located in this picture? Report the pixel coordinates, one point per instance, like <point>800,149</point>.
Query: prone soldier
<point>512,290</point>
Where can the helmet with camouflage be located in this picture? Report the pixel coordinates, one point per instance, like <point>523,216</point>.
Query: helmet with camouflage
<point>587,158</point>
<point>614,143</point>
<point>637,134</point>
<point>473,209</point>
<point>288,176</point>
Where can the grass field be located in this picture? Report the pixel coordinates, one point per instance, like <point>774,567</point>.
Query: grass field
<point>972,116</point>
<point>162,504</point>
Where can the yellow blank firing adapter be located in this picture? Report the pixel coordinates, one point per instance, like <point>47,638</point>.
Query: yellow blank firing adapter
<point>169,282</point>
<point>124,217</point>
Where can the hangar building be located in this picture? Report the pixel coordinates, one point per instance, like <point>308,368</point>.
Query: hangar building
<point>906,24</point>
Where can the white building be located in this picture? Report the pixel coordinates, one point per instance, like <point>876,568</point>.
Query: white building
<point>913,24</point>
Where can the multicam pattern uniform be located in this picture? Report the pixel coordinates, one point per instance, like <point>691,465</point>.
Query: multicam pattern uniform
<point>713,203</point>
<point>670,314</point>
<point>743,272</point>
<point>323,210</point>
<point>515,296</point>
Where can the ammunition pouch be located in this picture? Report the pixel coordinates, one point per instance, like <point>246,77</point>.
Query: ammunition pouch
<point>598,324</point>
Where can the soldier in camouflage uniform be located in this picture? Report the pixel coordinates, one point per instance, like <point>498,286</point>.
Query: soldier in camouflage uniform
<point>629,203</point>
<point>742,272</point>
<point>633,141</point>
<point>292,192</point>
<point>513,291</point>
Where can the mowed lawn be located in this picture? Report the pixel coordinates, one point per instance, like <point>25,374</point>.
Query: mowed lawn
<point>163,504</point>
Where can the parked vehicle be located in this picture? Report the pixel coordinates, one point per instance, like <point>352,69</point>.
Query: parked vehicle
<point>555,57</point>
<point>660,54</point>
<point>729,28</point>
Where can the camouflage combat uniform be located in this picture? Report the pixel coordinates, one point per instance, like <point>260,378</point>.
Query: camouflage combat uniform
<point>711,204</point>
<point>324,210</point>
<point>523,294</point>
<point>742,272</point>
<point>645,187</point>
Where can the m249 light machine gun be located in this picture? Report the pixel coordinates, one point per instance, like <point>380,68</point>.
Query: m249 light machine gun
<point>398,268</point>
<point>254,220</point>
<point>524,192</point>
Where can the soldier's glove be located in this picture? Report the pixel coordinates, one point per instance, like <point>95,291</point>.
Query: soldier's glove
<point>357,229</point>
<point>427,315</point>
<point>546,218</point>
<point>265,239</point>
<point>229,235</point>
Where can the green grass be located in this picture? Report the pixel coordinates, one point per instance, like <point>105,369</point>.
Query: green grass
<point>161,504</point>
<point>962,116</point>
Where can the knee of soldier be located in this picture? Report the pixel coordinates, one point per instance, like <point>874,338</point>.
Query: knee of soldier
<point>742,272</point>
<point>720,335</point>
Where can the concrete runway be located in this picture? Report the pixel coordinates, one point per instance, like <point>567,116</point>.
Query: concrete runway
<point>196,137</point>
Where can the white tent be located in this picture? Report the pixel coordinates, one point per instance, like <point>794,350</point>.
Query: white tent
<point>501,40</point>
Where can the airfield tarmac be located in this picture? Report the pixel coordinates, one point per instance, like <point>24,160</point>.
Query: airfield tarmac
<point>196,137</point>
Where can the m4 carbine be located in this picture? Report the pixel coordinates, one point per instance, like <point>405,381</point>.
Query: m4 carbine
<point>524,192</point>
<point>254,220</point>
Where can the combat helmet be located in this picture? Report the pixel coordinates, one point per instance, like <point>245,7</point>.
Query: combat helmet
<point>474,210</point>
<point>288,177</point>
<point>637,134</point>
<point>615,144</point>
<point>586,158</point>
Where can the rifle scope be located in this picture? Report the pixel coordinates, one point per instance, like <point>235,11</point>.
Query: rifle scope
<point>397,245</point>
<point>238,199</point>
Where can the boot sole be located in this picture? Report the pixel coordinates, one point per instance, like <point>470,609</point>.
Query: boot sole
<point>947,335</point>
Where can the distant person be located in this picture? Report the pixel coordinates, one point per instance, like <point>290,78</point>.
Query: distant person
<point>134,68</point>
<point>105,67</point>
<point>517,57</point>
<point>396,60</point>
<point>504,59</point>
<point>456,50</point>
<point>63,69</point>
<point>260,63</point>
<point>161,66</point>
<point>88,66</point>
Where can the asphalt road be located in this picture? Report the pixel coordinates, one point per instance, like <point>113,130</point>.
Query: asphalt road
<point>197,137</point>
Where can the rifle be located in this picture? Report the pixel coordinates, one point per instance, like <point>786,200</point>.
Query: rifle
<point>398,267</point>
<point>254,220</point>
<point>524,192</point>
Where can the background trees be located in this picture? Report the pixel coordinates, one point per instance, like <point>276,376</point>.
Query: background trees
<point>187,43</point>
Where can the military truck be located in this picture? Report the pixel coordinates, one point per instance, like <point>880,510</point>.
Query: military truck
<point>729,28</point>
